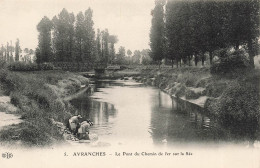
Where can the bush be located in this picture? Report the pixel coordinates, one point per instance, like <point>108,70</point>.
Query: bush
<point>211,105</point>
<point>238,107</point>
<point>2,64</point>
<point>189,79</point>
<point>46,66</point>
<point>230,62</point>
<point>216,88</point>
<point>22,66</point>
<point>41,133</point>
<point>38,95</point>
<point>180,90</point>
<point>240,101</point>
<point>190,94</point>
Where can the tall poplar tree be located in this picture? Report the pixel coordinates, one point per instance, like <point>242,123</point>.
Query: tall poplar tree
<point>79,36</point>
<point>89,37</point>
<point>98,42</point>
<point>63,35</point>
<point>17,50</point>
<point>105,49</point>
<point>112,39</point>
<point>44,50</point>
<point>157,32</point>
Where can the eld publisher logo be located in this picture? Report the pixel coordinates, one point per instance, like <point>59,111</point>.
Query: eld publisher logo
<point>7,155</point>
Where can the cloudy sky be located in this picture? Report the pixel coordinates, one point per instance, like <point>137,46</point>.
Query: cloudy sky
<point>130,20</point>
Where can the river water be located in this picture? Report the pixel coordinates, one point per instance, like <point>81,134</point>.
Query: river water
<point>130,113</point>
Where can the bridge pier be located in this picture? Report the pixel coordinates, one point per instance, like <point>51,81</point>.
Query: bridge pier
<point>99,72</point>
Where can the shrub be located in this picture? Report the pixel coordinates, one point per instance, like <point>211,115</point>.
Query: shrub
<point>189,79</point>
<point>190,94</point>
<point>46,66</point>
<point>8,83</point>
<point>238,107</point>
<point>230,62</point>
<point>39,134</point>
<point>211,105</point>
<point>203,82</point>
<point>180,90</point>
<point>216,88</point>
<point>39,98</point>
<point>22,66</point>
<point>2,64</point>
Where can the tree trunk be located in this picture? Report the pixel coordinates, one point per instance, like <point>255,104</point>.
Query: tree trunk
<point>251,53</point>
<point>180,62</point>
<point>196,59</point>
<point>203,59</point>
<point>80,52</point>
<point>172,63</point>
<point>210,57</point>
<point>5,56</point>
<point>237,45</point>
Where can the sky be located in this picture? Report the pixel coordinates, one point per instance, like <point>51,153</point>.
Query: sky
<point>130,20</point>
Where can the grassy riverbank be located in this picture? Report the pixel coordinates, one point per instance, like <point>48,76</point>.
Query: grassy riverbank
<point>39,98</point>
<point>233,98</point>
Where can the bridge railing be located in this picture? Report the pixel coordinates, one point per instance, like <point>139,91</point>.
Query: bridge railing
<point>86,66</point>
<point>80,66</point>
<point>138,66</point>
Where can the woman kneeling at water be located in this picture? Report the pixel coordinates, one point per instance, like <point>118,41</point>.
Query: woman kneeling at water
<point>83,131</point>
<point>73,124</point>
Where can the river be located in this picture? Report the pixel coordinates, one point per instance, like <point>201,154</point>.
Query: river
<point>130,113</point>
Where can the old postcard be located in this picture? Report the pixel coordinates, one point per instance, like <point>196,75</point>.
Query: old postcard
<point>129,83</point>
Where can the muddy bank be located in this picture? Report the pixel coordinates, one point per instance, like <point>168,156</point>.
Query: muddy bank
<point>193,85</point>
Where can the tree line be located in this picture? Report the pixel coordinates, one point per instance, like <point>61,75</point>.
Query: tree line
<point>136,57</point>
<point>10,53</point>
<point>70,38</point>
<point>186,30</point>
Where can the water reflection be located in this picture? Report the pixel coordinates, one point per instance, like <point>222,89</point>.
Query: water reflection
<point>129,112</point>
<point>177,121</point>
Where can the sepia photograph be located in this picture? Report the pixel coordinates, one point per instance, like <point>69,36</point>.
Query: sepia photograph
<point>129,83</point>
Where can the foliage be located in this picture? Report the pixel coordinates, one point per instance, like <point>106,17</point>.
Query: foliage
<point>17,50</point>
<point>112,39</point>
<point>238,107</point>
<point>230,62</point>
<point>2,64</point>
<point>44,51</point>
<point>146,59</point>
<point>104,45</point>
<point>22,66</point>
<point>85,37</point>
<point>89,42</point>
<point>63,36</point>
<point>194,28</point>
<point>189,78</point>
<point>98,42</point>
<point>190,94</point>
<point>157,31</point>
<point>120,57</point>
<point>38,95</point>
